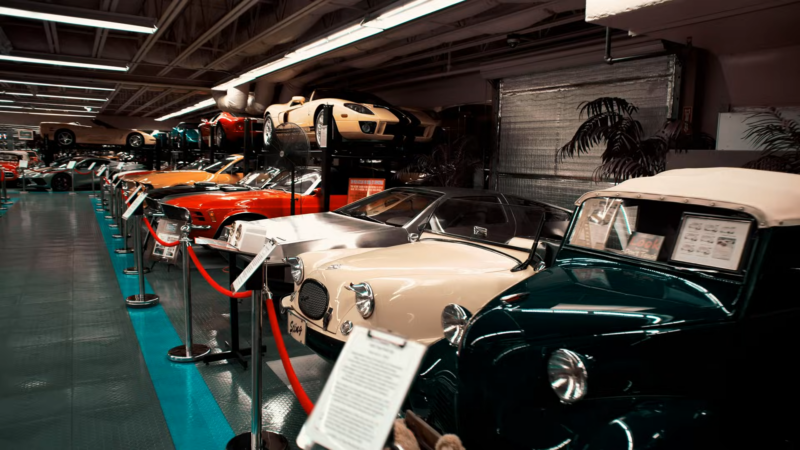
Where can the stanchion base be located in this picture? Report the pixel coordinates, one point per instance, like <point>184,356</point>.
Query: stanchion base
<point>178,354</point>
<point>72,193</point>
<point>269,441</point>
<point>108,217</point>
<point>134,271</point>
<point>123,251</point>
<point>100,209</point>
<point>93,196</point>
<point>23,192</point>
<point>140,300</point>
<point>113,225</point>
<point>7,203</point>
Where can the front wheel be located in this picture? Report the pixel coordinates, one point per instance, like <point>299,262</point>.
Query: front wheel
<point>65,138</point>
<point>135,140</point>
<point>61,183</point>
<point>321,130</point>
<point>268,127</point>
<point>219,137</point>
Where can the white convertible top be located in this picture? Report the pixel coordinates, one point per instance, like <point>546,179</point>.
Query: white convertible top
<point>773,198</point>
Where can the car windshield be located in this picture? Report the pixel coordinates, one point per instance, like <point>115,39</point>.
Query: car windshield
<point>197,165</point>
<point>393,207</point>
<point>214,168</point>
<point>666,232</point>
<point>489,222</point>
<point>353,96</point>
<point>259,179</point>
<point>304,179</point>
<point>9,157</point>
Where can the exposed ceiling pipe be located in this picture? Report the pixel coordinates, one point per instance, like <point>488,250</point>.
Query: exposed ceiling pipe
<point>234,99</point>
<point>215,29</point>
<point>611,60</point>
<point>260,98</point>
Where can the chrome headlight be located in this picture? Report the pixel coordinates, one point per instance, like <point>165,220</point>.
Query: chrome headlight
<point>295,265</point>
<point>567,374</point>
<point>454,323</point>
<point>365,299</point>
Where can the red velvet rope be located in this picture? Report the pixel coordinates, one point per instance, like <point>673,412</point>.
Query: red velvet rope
<point>82,173</point>
<point>305,402</point>
<point>213,283</point>
<point>106,180</point>
<point>155,235</point>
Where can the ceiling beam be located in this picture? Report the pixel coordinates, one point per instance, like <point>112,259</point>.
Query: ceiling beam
<point>152,101</point>
<point>178,100</point>
<point>132,99</point>
<point>72,75</point>
<point>170,14</point>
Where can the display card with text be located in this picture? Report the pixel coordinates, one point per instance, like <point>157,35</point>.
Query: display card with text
<point>713,242</point>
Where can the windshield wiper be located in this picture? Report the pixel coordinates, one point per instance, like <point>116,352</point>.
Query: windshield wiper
<point>472,244</point>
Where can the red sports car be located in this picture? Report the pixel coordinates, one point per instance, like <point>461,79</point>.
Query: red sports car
<point>228,130</point>
<point>9,163</point>
<point>219,209</point>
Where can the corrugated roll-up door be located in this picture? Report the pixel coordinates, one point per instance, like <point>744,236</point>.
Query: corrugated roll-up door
<point>539,113</point>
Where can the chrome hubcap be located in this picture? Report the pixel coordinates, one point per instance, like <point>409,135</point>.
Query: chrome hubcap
<point>135,141</point>
<point>64,138</point>
<point>322,130</point>
<point>267,131</point>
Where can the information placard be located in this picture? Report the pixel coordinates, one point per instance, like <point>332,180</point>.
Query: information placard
<point>364,392</point>
<point>101,171</point>
<point>216,244</point>
<point>91,166</point>
<point>71,164</point>
<point>137,202</point>
<point>643,245</point>
<point>25,135</point>
<point>254,265</point>
<point>359,188</point>
<point>23,164</point>
<point>711,241</point>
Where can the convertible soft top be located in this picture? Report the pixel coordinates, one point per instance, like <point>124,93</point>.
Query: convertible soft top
<point>773,198</point>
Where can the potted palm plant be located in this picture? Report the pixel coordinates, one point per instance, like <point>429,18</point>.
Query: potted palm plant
<point>779,138</point>
<point>628,152</point>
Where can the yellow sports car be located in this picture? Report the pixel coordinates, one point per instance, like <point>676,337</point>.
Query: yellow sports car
<point>224,171</point>
<point>68,134</point>
<point>357,116</point>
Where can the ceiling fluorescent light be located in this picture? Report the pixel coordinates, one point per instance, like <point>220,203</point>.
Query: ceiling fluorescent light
<point>6,101</point>
<point>44,114</point>
<point>56,85</point>
<point>56,62</point>
<point>9,106</point>
<point>74,20</point>
<point>26,94</point>
<point>54,104</point>
<point>70,98</point>
<point>410,11</point>
<point>203,104</point>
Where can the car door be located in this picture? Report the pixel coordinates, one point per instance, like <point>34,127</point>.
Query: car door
<point>296,113</point>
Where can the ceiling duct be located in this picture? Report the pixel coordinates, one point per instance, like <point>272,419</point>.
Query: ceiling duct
<point>291,89</point>
<point>233,100</point>
<point>260,98</point>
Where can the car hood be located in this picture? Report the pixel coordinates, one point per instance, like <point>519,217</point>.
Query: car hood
<point>180,191</point>
<point>215,200</point>
<point>597,298</point>
<point>412,283</point>
<point>172,178</point>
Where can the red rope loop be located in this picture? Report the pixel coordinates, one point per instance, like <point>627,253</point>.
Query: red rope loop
<point>106,180</point>
<point>82,173</point>
<point>155,235</point>
<point>305,402</point>
<point>213,283</point>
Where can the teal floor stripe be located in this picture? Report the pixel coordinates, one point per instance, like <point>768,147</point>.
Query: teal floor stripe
<point>194,418</point>
<point>8,207</point>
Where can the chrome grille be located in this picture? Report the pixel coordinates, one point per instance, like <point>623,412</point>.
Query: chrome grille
<point>313,299</point>
<point>444,392</point>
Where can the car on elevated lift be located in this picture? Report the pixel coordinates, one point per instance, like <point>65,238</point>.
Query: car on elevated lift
<point>219,209</point>
<point>190,131</point>
<point>356,115</point>
<point>472,246</point>
<point>224,171</point>
<point>67,135</point>
<point>228,130</point>
<point>668,305</point>
<point>9,164</point>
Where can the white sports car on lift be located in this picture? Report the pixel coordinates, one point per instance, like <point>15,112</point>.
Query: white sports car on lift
<point>356,116</point>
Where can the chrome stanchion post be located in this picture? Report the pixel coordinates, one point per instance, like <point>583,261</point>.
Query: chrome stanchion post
<point>5,199</point>
<point>3,189</point>
<point>141,299</point>
<point>72,182</point>
<point>122,228</point>
<point>114,210</point>
<point>24,185</point>
<point>188,352</point>
<point>102,204</point>
<point>94,191</point>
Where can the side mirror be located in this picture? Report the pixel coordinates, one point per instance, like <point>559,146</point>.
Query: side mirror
<point>299,99</point>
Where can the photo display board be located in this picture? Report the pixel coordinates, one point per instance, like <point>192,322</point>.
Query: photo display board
<point>711,241</point>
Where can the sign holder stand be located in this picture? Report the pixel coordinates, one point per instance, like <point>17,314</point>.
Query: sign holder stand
<point>71,167</point>
<point>188,352</point>
<point>23,165</point>
<point>257,439</point>
<point>114,208</point>
<point>5,199</point>
<point>136,211</point>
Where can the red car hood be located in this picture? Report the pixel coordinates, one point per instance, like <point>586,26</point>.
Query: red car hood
<point>228,200</point>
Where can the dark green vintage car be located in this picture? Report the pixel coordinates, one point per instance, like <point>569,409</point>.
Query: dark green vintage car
<point>666,320</point>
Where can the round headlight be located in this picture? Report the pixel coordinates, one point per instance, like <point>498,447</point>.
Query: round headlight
<point>296,267</point>
<point>567,374</point>
<point>454,322</point>
<point>365,298</point>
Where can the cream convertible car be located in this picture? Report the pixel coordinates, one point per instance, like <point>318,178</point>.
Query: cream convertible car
<point>356,115</point>
<point>68,134</point>
<point>466,254</point>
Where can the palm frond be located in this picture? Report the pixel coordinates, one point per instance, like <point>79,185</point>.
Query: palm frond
<point>613,105</point>
<point>779,139</point>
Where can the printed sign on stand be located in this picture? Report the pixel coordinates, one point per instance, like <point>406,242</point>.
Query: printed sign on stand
<point>102,171</point>
<point>168,230</point>
<point>254,265</point>
<point>23,164</point>
<point>137,202</point>
<point>91,166</point>
<point>71,165</point>
<point>359,188</point>
<point>364,392</point>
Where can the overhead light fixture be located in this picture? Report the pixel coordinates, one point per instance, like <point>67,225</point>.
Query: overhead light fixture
<point>45,114</point>
<point>6,101</point>
<point>57,62</point>
<point>54,104</point>
<point>396,16</point>
<point>56,85</point>
<point>78,16</point>
<point>10,106</point>
<point>203,104</point>
<point>25,94</point>
<point>88,99</point>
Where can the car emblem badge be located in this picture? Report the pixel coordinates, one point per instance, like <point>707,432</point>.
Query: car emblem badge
<point>480,231</point>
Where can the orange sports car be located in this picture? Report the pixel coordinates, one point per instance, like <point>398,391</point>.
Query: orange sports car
<point>225,171</point>
<point>219,209</point>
